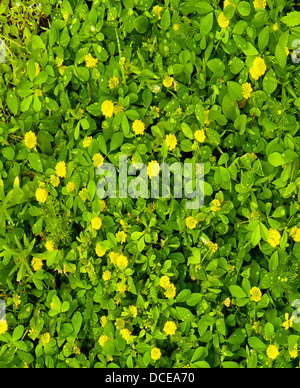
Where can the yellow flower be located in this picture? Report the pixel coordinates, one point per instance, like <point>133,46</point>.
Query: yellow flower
<point>133,311</point>
<point>90,61</point>
<point>122,261</point>
<point>113,257</point>
<point>191,223</point>
<point>255,294</point>
<point>66,16</point>
<point>103,339</point>
<point>70,187</point>
<point>87,141</point>
<point>121,237</point>
<point>170,328</point>
<point>170,292</point>
<point>30,140</point>
<point>223,21</point>
<point>258,68</point>
<point>61,169</point>
<point>153,168</point>
<point>81,194</point>
<point>118,108</point>
<point>121,288</point>
<point>288,321</point>
<point>120,323</point>
<point>274,237</point>
<point>157,11</point>
<point>272,352</point>
<point>36,263</point>
<point>106,275</point>
<point>41,195</point>
<point>155,354</point>
<point>212,247</point>
<point>138,127</point>
<point>113,82</point>
<point>287,51</point>
<point>126,334</point>
<point>37,69</point>
<point>45,339</point>
<point>155,111</point>
<point>200,135</point>
<point>227,302</point>
<point>216,205</point>
<point>260,4</point>
<point>54,180</point>
<point>99,250</point>
<point>49,245</point>
<point>103,320</point>
<point>98,160</point>
<point>275,27</point>
<point>164,281</point>
<point>3,326</point>
<point>96,223</point>
<point>295,234</point>
<point>171,141</point>
<point>247,90</point>
<point>294,351</point>
<point>107,108</point>
<point>168,81</point>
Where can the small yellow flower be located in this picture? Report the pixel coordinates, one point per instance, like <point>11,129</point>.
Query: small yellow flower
<point>212,247</point>
<point>155,354</point>
<point>255,294</point>
<point>45,339</point>
<point>295,234</point>
<point>90,61</point>
<point>223,21</point>
<point>260,4</point>
<point>118,108</point>
<point>133,311</point>
<point>156,10</point>
<point>164,281</point>
<point>155,111</point>
<point>49,245</point>
<point>103,339</point>
<point>294,351</point>
<point>287,51</point>
<point>274,237</point>
<point>41,195</point>
<point>275,27</point>
<point>96,223</point>
<point>98,160</point>
<point>122,261</point>
<point>126,334</point>
<point>70,187</point>
<point>66,16</point>
<point>30,140</point>
<point>138,127</point>
<point>272,352</point>
<point>103,320</point>
<point>170,328</point>
<point>36,263</point>
<point>191,223</point>
<point>168,81</point>
<point>258,68</point>
<point>153,168</point>
<point>171,141</point>
<point>99,250</point>
<point>215,205</point>
<point>227,302</point>
<point>61,169</point>
<point>37,69</point>
<point>170,292</point>
<point>106,275</point>
<point>54,180</point>
<point>200,135</point>
<point>113,82</point>
<point>247,90</point>
<point>87,141</point>
<point>3,326</point>
<point>121,288</point>
<point>81,194</point>
<point>288,321</point>
<point>107,108</point>
<point>121,237</point>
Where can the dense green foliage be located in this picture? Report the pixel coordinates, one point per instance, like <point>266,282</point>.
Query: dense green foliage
<point>145,282</point>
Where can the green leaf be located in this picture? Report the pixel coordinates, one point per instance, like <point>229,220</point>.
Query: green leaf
<point>116,141</point>
<point>237,291</point>
<point>37,43</point>
<point>8,153</point>
<point>77,321</point>
<point>257,344</point>
<point>12,102</point>
<point>276,159</point>
<point>35,162</point>
<point>17,333</point>
<point>292,19</point>
<point>165,20</point>
<point>235,90</point>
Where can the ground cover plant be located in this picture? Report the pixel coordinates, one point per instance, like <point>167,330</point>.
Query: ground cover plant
<point>87,282</point>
